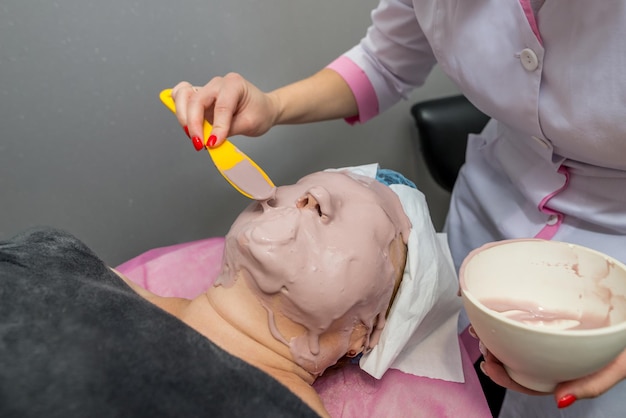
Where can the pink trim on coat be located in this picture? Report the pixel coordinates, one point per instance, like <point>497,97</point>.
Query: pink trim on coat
<point>361,87</point>
<point>532,20</point>
<point>549,231</point>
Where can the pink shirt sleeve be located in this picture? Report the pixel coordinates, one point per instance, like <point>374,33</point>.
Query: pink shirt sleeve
<point>391,60</point>
<point>361,87</point>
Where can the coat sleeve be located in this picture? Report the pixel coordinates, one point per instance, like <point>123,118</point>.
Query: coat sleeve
<point>392,59</point>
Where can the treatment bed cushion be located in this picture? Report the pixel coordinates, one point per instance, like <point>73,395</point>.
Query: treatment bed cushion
<point>186,270</point>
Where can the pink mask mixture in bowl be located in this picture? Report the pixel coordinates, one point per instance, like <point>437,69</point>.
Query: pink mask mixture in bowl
<point>550,311</point>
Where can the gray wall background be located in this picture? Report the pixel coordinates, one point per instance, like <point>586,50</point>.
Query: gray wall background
<point>86,145</point>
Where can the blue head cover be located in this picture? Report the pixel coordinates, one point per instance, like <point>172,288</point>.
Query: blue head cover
<point>389,177</point>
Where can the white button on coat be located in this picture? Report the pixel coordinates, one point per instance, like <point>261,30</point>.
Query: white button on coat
<point>553,220</point>
<point>529,59</point>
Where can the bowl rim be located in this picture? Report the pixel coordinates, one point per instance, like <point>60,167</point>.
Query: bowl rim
<point>465,293</point>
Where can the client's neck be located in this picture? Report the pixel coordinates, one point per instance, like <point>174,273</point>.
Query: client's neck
<point>234,319</point>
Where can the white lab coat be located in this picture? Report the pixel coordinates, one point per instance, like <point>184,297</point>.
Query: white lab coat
<point>558,103</point>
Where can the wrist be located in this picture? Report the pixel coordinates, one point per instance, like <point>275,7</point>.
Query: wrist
<point>277,104</point>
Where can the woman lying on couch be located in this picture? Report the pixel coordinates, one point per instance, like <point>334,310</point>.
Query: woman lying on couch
<point>307,278</point>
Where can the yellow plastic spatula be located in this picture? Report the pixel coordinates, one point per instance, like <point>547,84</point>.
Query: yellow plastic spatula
<point>236,167</point>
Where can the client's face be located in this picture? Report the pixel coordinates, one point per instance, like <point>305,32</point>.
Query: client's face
<point>318,254</point>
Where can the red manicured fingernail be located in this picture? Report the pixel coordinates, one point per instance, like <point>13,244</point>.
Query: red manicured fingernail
<point>566,401</point>
<point>212,140</point>
<point>197,143</point>
<point>186,131</point>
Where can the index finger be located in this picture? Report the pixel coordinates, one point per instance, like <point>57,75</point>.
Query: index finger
<point>181,94</point>
<point>224,97</point>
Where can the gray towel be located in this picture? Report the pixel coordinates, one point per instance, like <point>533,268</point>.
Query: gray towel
<point>76,341</point>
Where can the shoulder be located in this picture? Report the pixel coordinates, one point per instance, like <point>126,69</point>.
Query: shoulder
<point>41,243</point>
<point>53,259</point>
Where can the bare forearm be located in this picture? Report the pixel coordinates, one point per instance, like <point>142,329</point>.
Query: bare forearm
<point>237,107</point>
<point>323,96</point>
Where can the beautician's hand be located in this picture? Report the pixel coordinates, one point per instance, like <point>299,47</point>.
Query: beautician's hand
<point>566,393</point>
<point>230,103</point>
<point>235,106</point>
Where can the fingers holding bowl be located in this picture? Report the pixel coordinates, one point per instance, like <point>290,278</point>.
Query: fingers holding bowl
<point>495,370</point>
<point>522,297</point>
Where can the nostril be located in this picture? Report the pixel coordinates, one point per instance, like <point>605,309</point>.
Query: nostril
<point>307,201</point>
<point>272,203</point>
<point>302,202</point>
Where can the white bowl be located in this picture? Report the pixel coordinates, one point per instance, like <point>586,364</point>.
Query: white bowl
<point>584,291</point>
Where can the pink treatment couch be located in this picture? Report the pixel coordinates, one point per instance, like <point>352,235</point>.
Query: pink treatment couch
<point>186,270</point>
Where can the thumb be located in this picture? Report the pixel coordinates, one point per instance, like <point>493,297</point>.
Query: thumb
<point>218,136</point>
<point>592,385</point>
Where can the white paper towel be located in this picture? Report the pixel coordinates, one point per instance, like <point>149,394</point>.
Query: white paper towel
<point>420,336</point>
